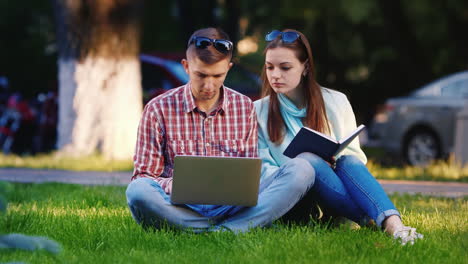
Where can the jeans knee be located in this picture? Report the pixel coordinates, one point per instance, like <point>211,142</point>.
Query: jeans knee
<point>135,192</point>
<point>311,158</point>
<point>351,166</point>
<point>302,174</point>
<point>349,160</point>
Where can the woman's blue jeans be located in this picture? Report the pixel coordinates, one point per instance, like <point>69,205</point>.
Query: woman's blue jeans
<point>349,190</point>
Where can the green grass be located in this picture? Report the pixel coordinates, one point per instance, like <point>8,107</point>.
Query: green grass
<point>391,167</point>
<point>94,225</point>
<point>438,171</point>
<point>94,162</point>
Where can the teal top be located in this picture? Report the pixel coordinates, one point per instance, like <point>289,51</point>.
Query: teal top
<point>341,120</point>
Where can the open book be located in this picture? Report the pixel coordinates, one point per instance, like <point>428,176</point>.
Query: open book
<point>309,140</point>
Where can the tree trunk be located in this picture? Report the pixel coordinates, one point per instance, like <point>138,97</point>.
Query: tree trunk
<point>100,98</point>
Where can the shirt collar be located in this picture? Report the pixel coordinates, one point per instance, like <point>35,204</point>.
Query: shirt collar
<point>190,101</point>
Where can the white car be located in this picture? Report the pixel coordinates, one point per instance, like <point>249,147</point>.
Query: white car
<point>421,126</point>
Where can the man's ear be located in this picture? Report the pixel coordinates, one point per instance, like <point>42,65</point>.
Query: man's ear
<point>185,64</point>
<point>230,65</point>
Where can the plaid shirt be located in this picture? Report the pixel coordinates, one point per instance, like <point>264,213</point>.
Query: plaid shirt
<point>172,125</point>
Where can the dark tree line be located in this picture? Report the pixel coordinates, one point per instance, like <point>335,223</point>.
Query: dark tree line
<point>369,49</point>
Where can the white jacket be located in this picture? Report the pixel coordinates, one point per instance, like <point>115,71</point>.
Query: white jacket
<point>341,120</point>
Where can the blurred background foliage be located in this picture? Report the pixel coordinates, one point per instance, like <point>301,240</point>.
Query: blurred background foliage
<point>371,50</point>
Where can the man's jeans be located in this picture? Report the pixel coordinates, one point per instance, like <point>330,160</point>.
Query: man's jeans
<point>349,190</point>
<point>151,206</point>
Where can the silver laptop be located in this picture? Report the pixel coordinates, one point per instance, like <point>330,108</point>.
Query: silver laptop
<point>215,180</point>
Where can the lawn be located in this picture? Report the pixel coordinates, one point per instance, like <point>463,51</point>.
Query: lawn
<point>93,225</point>
<point>439,171</point>
<point>93,162</point>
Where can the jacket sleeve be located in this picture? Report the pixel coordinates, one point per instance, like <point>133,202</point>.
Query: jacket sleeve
<point>269,165</point>
<point>349,125</point>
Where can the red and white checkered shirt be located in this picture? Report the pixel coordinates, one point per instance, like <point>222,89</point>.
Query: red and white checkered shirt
<point>172,125</point>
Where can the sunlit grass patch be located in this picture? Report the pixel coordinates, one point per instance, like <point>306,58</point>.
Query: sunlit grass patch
<point>434,213</point>
<point>93,162</point>
<point>438,171</point>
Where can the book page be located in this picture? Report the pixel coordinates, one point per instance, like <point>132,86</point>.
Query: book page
<point>345,141</point>
<point>321,134</point>
<point>352,135</point>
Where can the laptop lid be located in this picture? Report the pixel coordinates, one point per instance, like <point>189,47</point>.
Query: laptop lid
<point>216,180</point>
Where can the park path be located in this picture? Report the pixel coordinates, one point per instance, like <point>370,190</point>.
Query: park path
<point>445,189</point>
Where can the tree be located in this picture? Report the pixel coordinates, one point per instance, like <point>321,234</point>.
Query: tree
<point>196,14</point>
<point>100,98</point>
<point>209,13</point>
<point>26,46</point>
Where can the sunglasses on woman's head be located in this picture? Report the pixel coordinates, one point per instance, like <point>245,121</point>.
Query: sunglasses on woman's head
<point>222,45</point>
<point>287,37</point>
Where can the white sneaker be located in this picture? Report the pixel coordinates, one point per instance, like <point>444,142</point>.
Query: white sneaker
<point>407,234</point>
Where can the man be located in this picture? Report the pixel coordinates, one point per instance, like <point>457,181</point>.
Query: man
<point>205,118</point>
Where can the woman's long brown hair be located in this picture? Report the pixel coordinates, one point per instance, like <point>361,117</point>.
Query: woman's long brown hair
<point>316,117</point>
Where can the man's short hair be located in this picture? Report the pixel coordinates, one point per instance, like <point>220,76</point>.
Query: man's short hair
<point>210,54</point>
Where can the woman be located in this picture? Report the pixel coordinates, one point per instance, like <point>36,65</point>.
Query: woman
<point>292,99</point>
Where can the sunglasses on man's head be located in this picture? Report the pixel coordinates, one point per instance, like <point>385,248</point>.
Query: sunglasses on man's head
<point>222,45</point>
<point>287,37</point>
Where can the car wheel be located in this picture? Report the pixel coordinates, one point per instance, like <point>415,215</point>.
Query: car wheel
<point>421,148</point>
